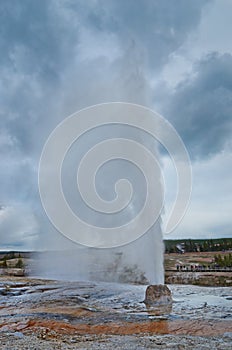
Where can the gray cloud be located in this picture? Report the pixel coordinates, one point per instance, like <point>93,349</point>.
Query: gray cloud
<point>201,106</point>
<point>39,40</point>
<point>59,56</point>
<point>18,228</point>
<point>159,27</point>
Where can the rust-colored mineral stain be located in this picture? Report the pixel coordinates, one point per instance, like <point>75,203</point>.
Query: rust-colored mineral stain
<point>196,327</point>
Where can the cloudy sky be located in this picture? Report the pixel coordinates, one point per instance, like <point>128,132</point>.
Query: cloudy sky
<point>59,56</point>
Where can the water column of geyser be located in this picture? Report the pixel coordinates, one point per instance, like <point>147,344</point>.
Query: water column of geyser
<point>140,260</point>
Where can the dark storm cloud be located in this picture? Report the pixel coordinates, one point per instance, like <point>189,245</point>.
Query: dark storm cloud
<point>32,38</point>
<point>201,106</point>
<point>33,50</point>
<point>39,37</point>
<point>41,57</point>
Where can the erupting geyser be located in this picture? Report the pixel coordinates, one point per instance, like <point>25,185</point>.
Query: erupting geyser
<point>110,205</point>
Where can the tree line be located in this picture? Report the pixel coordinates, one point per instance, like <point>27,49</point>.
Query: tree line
<point>198,245</point>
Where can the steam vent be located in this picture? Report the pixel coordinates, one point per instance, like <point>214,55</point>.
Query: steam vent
<point>158,295</point>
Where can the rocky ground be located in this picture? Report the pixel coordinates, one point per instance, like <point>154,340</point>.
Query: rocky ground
<point>13,341</point>
<point>42,314</point>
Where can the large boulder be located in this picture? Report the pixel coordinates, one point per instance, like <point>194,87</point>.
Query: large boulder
<point>158,294</point>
